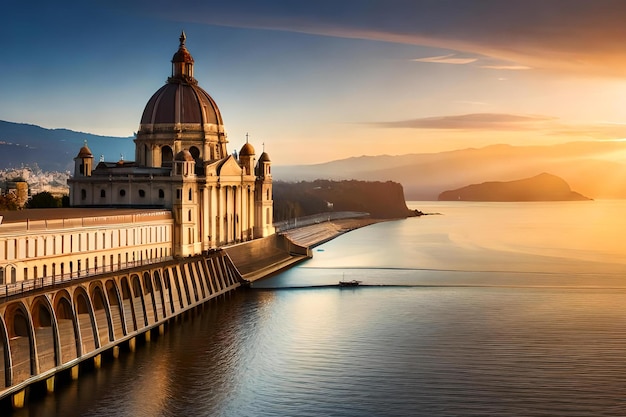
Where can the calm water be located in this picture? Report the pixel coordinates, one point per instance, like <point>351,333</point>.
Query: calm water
<point>487,309</point>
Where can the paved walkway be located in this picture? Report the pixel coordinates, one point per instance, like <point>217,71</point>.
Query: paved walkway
<point>316,234</point>
<point>273,260</point>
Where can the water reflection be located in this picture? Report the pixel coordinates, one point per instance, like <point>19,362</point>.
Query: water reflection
<point>524,338</point>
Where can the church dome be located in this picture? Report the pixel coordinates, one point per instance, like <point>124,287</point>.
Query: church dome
<point>181,100</point>
<point>184,155</point>
<point>246,150</point>
<point>181,103</point>
<point>84,152</point>
<point>264,157</point>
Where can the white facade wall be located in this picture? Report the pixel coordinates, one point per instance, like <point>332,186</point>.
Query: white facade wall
<point>86,250</point>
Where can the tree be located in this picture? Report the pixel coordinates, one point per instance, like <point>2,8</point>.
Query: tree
<point>43,200</point>
<point>8,202</point>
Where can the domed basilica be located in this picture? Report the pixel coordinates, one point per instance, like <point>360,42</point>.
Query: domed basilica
<point>182,163</point>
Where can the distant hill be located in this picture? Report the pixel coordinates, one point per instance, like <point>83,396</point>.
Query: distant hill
<point>543,187</point>
<point>383,200</point>
<point>55,149</point>
<point>594,168</point>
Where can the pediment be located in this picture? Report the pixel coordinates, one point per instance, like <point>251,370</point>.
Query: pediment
<point>229,166</point>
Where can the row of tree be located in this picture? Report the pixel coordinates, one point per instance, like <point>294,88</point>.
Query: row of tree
<point>40,200</point>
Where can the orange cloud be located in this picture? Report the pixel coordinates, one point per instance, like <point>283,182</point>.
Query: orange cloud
<point>481,121</point>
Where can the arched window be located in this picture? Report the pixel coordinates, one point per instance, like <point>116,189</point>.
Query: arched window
<point>189,215</point>
<point>167,156</point>
<point>142,193</point>
<point>1,275</point>
<point>103,193</point>
<point>195,152</point>
<point>161,193</point>
<point>190,195</point>
<point>83,194</point>
<point>122,192</point>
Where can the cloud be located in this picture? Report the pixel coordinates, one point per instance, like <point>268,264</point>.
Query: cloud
<point>564,35</point>
<point>479,121</point>
<point>534,125</point>
<point>507,67</point>
<point>446,59</point>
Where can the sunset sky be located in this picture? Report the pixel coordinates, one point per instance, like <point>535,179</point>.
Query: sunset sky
<point>328,79</point>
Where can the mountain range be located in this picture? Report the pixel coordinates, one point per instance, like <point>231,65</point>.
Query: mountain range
<point>596,169</point>
<point>55,149</point>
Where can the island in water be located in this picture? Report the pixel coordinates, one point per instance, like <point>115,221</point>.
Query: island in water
<point>543,187</point>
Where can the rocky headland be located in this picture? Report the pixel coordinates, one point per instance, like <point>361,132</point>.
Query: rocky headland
<point>543,187</point>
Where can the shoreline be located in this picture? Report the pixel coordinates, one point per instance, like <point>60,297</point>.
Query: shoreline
<point>317,234</point>
<point>269,263</point>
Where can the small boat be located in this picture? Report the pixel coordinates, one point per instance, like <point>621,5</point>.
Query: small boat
<point>352,283</point>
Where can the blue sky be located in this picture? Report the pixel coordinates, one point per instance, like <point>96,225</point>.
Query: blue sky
<point>323,80</point>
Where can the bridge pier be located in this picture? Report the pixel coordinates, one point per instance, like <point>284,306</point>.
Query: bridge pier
<point>97,361</point>
<point>17,400</point>
<point>50,384</point>
<point>74,373</point>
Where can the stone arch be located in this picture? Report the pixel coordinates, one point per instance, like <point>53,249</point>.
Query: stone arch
<point>148,291</point>
<point>138,301</point>
<point>67,327</point>
<point>21,342</point>
<point>172,291</point>
<point>86,324</point>
<point>208,275</point>
<point>115,303</point>
<point>197,273</point>
<point>158,294</point>
<point>127,306</point>
<point>191,276</point>
<point>5,356</point>
<point>101,314</point>
<point>10,272</point>
<point>45,329</point>
<point>179,272</point>
<point>167,156</point>
<point>195,152</point>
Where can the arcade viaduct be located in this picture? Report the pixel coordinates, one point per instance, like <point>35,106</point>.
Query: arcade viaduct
<point>51,329</point>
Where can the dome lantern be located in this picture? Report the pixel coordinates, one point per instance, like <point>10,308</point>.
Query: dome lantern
<point>182,63</point>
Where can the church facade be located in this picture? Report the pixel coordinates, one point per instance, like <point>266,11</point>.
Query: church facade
<point>182,164</point>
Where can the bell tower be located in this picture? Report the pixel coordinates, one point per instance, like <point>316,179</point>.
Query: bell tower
<point>263,201</point>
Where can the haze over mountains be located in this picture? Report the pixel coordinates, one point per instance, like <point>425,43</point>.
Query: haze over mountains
<point>596,169</point>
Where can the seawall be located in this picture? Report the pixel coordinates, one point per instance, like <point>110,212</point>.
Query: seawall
<point>262,258</point>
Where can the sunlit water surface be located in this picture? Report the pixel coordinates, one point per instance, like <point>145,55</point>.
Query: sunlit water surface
<point>486,309</point>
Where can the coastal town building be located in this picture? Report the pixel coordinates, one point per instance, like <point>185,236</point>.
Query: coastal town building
<point>183,195</point>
